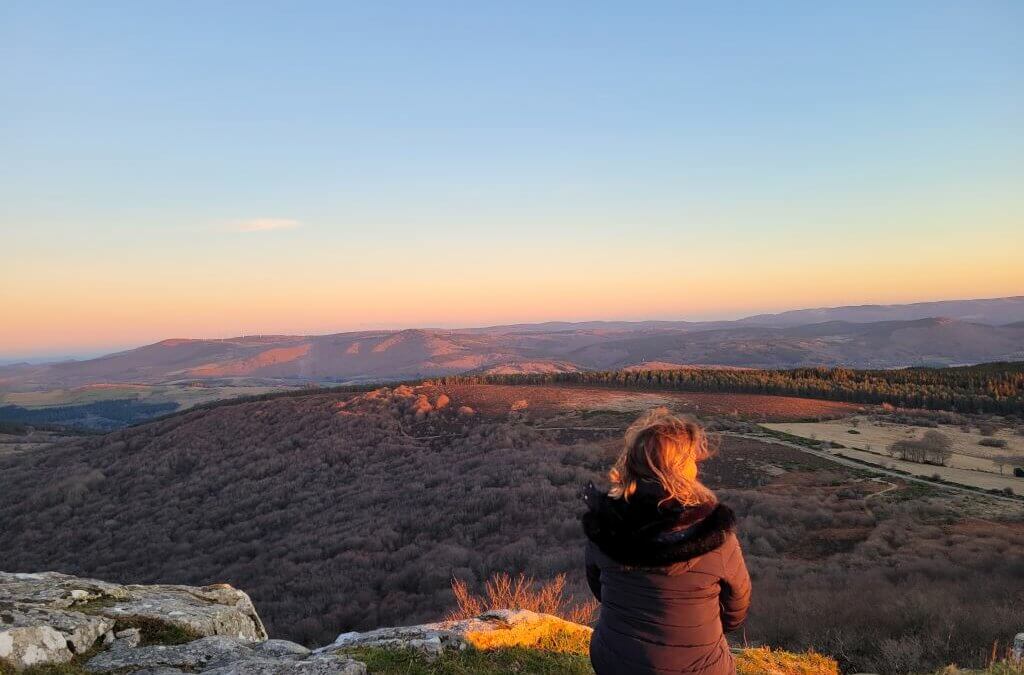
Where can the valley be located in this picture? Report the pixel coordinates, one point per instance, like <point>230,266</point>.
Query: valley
<point>351,510</point>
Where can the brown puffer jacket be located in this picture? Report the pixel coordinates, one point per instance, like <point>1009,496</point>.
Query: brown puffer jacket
<point>671,580</point>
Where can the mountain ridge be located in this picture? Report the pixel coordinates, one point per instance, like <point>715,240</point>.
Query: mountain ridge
<point>834,338</point>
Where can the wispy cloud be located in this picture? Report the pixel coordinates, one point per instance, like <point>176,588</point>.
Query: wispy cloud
<point>263,224</point>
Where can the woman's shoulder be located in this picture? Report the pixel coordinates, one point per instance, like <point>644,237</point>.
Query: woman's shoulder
<point>615,530</point>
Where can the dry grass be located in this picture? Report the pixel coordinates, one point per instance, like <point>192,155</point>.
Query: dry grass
<point>880,434</point>
<point>765,661</point>
<point>502,591</point>
<point>549,634</point>
<point>1008,667</point>
<point>553,399</point>
<point>971,464</point>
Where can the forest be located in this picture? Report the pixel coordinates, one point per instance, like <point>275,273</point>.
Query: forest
<point>987,388</point>
<point>101,415</point>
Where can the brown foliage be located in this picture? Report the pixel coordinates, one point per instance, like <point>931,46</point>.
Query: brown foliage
<point>934,447</point>
<point>502,591</point>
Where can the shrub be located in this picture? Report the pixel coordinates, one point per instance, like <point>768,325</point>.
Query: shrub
<point>992,442</point>
<point>934,447</point>
<point>471,662</point>
<point>987,428</point>
<point>501,591</point>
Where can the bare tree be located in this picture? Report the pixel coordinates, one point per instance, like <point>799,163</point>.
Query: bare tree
<point>1002,461</point>
<point>937,446</point>
<point>932,448</point>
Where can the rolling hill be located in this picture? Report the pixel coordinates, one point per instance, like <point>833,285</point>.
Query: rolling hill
<point>991,311</point>
<point>847,336</point>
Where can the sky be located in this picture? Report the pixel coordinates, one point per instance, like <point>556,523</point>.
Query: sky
<point>208,169</point>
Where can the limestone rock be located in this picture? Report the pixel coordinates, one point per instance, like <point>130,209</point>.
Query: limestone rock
<point>129,637</point>
<point>50,617</point>
<point>52,589</point>
<point>281,648</point>
<point>204,611</point>
<point>24,646</point>
<point>420,406</point>
<point>220,655</point>
<point>36,624</point>
<point>319,665</point>
<point>493,629</point>
<point>193,656</point>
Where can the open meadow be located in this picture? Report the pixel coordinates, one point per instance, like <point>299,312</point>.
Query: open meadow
<point>982,457</point>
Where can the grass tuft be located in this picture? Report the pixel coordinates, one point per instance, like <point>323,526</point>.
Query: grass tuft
<point>1007,667</point>
<point>156,632</point>
<point>472,662</point>
<point>550,635</point>
<point>502,591</point>
<point>765,661</point>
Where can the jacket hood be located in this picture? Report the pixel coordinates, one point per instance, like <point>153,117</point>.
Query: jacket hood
<point>643,533</point>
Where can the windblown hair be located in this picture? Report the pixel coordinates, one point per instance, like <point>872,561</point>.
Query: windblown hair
<point>657,448</point>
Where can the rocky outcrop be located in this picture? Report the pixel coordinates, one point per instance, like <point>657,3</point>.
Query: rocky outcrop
<point>110,628</point>
<point>219,655</point>
<point>52,618</point>
<point>31,635</point>
<point>490,630</point>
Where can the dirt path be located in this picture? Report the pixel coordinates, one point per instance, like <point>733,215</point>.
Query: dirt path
<point>892,486</point>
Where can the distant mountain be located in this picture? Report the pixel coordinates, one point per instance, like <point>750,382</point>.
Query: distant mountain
<point>994,312</point>
<point>850,336</point>
<point>887,344</point>
<point>596,326</point>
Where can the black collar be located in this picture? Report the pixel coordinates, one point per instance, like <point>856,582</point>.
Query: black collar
<point>643,532</point>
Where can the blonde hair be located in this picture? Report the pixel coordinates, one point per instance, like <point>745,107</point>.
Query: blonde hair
<point>657,448</point>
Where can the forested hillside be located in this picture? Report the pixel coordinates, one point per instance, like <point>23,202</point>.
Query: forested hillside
<point>991,387</point>
<point>103,415</point>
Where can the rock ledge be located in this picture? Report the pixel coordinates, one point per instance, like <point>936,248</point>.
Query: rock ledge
<point>110,628</point>
<point>490,630</point>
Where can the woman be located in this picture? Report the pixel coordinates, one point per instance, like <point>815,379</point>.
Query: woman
<point>663,558</point>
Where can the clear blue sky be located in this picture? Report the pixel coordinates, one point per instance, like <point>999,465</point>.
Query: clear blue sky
<point>192,168</point>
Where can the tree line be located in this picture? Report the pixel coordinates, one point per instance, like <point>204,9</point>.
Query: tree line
<point>102,415</point>
<point>933,448</point>
<point>986,388</point>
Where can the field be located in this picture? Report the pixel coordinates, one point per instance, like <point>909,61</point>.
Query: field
<point>107,407</point>
<point>867,438</point>
<point>551,399</point>
<point>351,511</point>
<point>185,395</point>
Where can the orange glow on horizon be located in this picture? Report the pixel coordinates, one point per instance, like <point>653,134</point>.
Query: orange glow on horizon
<point>95,315</point>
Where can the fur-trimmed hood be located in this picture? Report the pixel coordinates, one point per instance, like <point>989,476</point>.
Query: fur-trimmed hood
<point>640,533</point>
